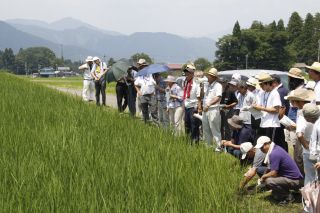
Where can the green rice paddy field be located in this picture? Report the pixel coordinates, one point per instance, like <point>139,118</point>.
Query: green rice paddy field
<point>59,154</point>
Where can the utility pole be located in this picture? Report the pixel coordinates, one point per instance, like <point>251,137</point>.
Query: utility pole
<point>247,56</point>
<point>61,46</point>
<point>319,50</point>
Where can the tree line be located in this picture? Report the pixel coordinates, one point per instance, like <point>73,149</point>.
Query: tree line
<point>271,46</point>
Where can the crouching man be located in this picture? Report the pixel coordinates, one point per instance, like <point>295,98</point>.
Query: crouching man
<point>284,174</point>
<point>258,167</point>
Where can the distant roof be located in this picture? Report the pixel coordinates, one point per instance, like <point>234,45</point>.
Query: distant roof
<point>175,66</point>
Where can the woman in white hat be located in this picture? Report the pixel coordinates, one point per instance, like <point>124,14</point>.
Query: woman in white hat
<point>174,104</point>
<point>88,84</point>
<point>296,80</point>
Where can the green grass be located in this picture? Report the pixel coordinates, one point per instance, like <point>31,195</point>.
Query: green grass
<point>69,83</point>
<point>59,154</point>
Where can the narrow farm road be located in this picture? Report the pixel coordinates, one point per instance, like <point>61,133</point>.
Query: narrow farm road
<point>111,100</point>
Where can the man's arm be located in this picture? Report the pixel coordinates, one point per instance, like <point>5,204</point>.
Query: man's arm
<point>302,140</point>
<point>248,177</point>
<point>212,102</point>
<point>272,110</point>
<point>272,173</point>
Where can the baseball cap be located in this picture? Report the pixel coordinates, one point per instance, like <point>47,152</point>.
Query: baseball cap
<point>245,148</point>
<point>261,141</point>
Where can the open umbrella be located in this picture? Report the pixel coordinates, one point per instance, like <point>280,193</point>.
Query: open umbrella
<point>153,68</point>
<point>118,70</point>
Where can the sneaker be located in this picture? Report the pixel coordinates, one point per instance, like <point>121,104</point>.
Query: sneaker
<point>218,149</point>
<point>288,200</point>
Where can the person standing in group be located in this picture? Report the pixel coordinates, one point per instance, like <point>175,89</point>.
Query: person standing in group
<point>142,63</point>
<point>161,100</point>
<point>132,93</point>
<point>191,97</point>
<point>245,101</point>
<point>211,119</point>
<point>88,84</point>
<point>229,100</point>
<point>252,87</point>
<point>314,74</point>
<point>284,108</point>
<point>269,104</point>
<point>146,87</point>
<point>295,81</point>
<point>303,129</point>
<point>98,72</point>
<point>174,104</point>
<point>122,94</point>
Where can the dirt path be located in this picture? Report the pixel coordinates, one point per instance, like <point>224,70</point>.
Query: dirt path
<point>111,100</point>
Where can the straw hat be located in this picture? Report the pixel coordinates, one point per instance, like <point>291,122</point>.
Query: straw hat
<point>235,122</point>
<point>252,82</point>
<point>170,78</point>
<point>190,68</point>
<point>296,73</point>
<point>234,82</point>
<point>264,77</point>
<point>301,94</point>
<point>315,66</point>
<point>212,72</point>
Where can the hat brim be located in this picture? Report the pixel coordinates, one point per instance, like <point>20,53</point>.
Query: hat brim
<point>244,155</point>
<point>89,60</point>
<point>211,74</point>
<point>188,70</point>
<point>172,81</point>
<point>237,126</point>
<point>317,69</point>
<point>295,76</point>
<point>250,84</point>
<point>258,146</point>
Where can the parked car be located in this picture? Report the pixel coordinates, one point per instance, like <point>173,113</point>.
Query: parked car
<point>245,74</point>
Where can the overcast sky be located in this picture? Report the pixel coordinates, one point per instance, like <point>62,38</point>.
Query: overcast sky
<point>183,17</point>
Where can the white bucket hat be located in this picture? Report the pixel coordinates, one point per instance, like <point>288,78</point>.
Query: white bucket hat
<point>142,61</point>
<point>95,58</point>
<point>170,78</point>
<point>89,58</point>
<point>252,82</point>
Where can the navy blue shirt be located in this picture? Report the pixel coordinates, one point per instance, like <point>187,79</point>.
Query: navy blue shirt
<point>245,134</point>
<point>284,92</point>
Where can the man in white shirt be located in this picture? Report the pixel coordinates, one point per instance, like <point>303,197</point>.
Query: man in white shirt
<point>269,105</point>
<point>145,86</point>
<point>211,119</point>
<point>88,84</point>
<point>245,100</point>
<point>303,129</point>
<point>314,74</point>
<point>192,104</point>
